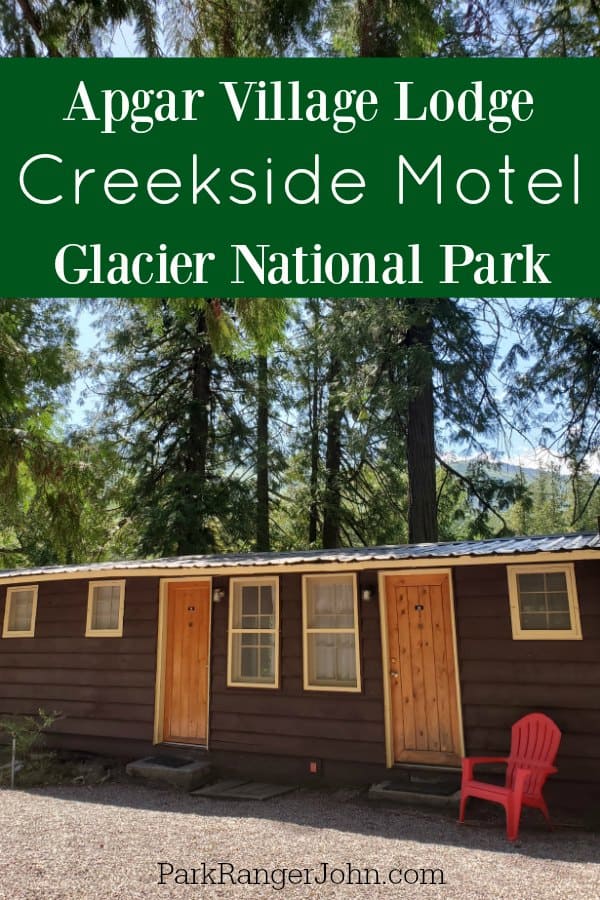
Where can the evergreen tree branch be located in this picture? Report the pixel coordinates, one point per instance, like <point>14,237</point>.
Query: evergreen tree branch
<point>472,488</point>
<point>35,22</point>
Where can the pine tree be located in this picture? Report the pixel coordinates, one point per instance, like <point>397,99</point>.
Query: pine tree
<point>78,28</point>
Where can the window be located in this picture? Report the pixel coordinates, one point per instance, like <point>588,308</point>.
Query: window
<point>19,612</point>
<point>330,625</point>
<point>253,659</point>
<point>106,601</point>
<point>543,603</point>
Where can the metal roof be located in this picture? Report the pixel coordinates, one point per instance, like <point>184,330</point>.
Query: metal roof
<point>513,546</point>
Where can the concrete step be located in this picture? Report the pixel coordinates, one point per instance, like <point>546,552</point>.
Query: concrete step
<point>418,785</point>
<point>185,774</point>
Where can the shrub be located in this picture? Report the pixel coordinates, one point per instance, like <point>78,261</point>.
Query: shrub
<point>26,730</point>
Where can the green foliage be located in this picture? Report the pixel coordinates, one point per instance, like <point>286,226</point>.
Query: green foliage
<point>173,375</point>
<point>554,373</point>
<point>37,467</point>
<point>170,465</point>
<point>27,730</point>
<point>77,28</point>
<point>238,27</point>
<point>380,28</point>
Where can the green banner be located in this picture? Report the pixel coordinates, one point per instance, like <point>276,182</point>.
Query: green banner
<point>300,178</point>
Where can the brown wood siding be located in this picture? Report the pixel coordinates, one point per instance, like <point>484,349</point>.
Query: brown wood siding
<point>103,686</point>
<point>503,679</point>
<point>326,725</point>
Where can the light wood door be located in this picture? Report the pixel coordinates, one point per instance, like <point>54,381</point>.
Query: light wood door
<point>186,662</point>
<point>422,670</point>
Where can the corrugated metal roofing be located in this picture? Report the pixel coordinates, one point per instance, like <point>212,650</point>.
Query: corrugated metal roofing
<point>562,543</point>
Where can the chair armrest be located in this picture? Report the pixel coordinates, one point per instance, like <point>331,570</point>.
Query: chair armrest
<point>540,767</point>
<point>525,769</point>
<point>469,763</point>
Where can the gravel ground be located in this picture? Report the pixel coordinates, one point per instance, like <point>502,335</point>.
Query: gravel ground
<point>75,843</point>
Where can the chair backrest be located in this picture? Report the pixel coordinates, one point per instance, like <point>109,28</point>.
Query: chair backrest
<point>534,739</point>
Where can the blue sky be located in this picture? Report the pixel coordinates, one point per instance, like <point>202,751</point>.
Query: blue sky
<point>517,451</point>
<point>88,338</point>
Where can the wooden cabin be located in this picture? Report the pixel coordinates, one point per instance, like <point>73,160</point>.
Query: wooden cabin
<point>340,663</point>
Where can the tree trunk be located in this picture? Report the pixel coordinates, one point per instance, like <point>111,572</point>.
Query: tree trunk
<point>368,37</point>
<point>195,537</point>
<point>374,40</point>
<point>315,409</point>
<point>263,538</point>
<point>420,436</point>
<point>333,459</point>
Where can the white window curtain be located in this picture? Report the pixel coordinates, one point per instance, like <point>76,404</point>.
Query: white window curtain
<point>106,602</point>
<point>21,610</point>
<point>331,632</point>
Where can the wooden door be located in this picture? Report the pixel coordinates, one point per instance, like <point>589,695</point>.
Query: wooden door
<point>422,670</point>
<point>186,662</point>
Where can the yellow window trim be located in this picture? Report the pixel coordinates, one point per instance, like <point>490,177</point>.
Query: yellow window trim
<point>340,576</point>
<point>105,632</point>
<point>519,634</point>
<point>9,592</point>
<point>257,581</point>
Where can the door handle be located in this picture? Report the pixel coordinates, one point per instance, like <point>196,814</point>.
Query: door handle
<point>394,674</point>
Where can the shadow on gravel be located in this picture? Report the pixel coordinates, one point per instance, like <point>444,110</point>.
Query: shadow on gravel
<point>349,811</point>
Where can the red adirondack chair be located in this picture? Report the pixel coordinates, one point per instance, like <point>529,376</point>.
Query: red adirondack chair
<point>533,748</point>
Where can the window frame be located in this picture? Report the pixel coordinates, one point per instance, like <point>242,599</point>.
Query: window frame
<point>105,632</point>
<point>574,633</point>
<point>234,585</point>
<point>14,589</point>
<point>306,631</point>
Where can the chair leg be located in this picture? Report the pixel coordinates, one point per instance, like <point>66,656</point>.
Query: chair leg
<point>513,818</point>
<point>463,804</point>
<point>546,814</point>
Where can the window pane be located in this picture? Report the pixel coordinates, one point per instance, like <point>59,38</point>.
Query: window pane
<point>544,602</point>
<point>545,621</point>
<point>330,604</point>
<point>266,607</point>
<point>253,658</point>
<point>531,582</point>
<point>331,660</point>
<point>560,621</point>
<point>533,621</point>
<point>253,606</point>
<point>21,610</point>
<point>556,581</point>
<point>533,602</point>
<point>105,608</point>
<point>249,664</point>
<point>247,607</point>
<point>266,664</point>
<point>249,600</point>
<point>558,602</point>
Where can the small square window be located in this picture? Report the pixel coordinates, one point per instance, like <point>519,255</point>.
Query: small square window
<point>106,601</point>
<point>20,611</point>
<point>543,603</point>
<point>331,658</point>
<point>253,658</point>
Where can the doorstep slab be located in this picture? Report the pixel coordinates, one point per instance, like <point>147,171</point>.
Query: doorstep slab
<point>236,789</point>
<point>187,776</point>
<point>398,793</point>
